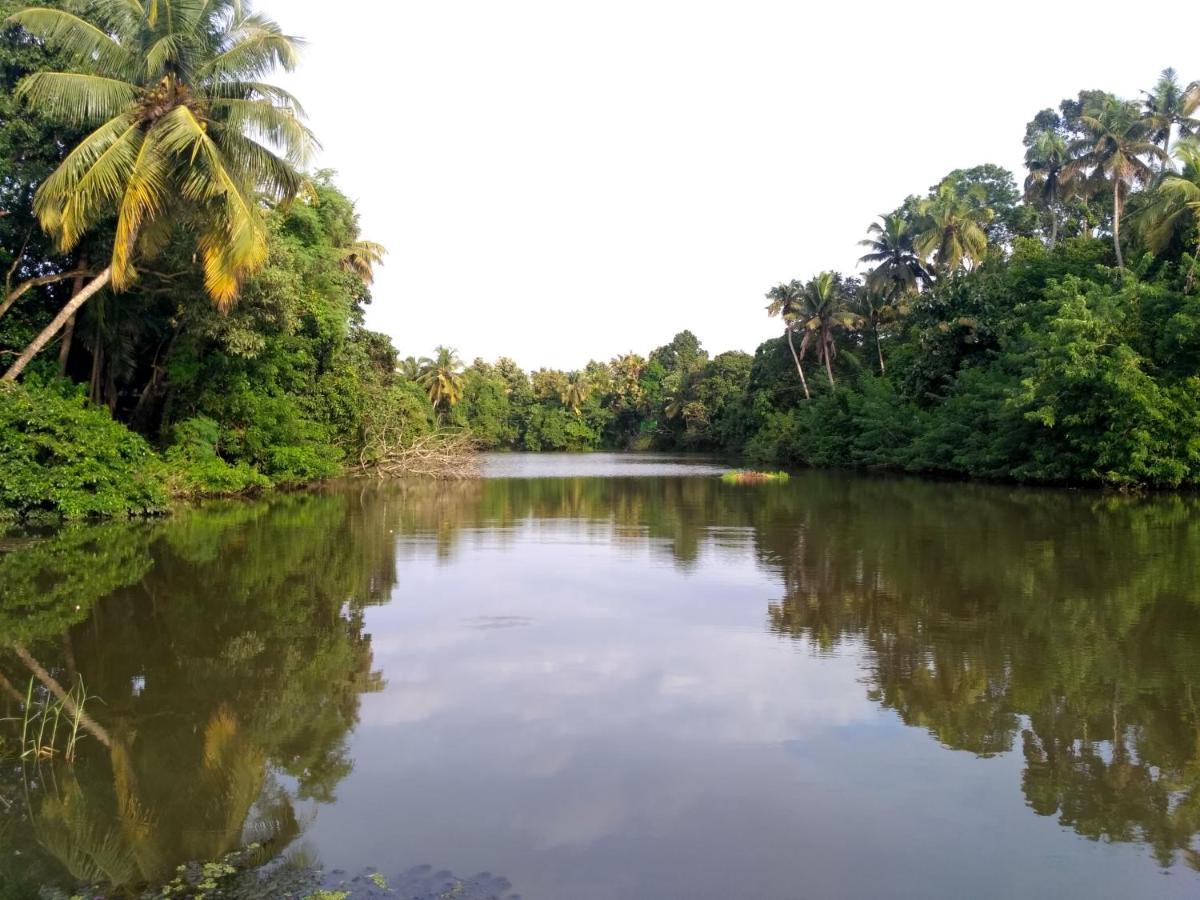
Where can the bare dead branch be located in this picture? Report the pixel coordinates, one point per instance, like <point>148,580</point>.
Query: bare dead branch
<point>21,289</point>
<point>388,453</point>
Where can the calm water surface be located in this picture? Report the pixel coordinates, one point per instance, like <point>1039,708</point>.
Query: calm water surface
<point>616,677</point>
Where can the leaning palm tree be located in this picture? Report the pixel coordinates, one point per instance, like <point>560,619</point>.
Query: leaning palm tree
<point>785,303</point>
<point>822,310</point>
<point>956,235</point>
<point>575,392</point>
<point>185,136</point>
<point>442,378</point>
<point>1111,153</point>
<point>1049,181</point>
<point>895,266</point>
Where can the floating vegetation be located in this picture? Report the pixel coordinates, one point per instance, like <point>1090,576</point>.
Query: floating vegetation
<point>749,477</point>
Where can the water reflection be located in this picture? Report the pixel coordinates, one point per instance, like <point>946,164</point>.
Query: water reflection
<point>227,653</point>
<point>228,647</point>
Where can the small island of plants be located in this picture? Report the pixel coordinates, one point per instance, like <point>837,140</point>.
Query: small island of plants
<point>750,477</point>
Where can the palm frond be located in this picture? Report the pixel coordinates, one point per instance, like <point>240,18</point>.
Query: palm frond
<point>280,125</point>
<point>75,98</point>
<point>257,46</point>
<point>75,37</point>
<point>87,183</point>
<point>144,198</point>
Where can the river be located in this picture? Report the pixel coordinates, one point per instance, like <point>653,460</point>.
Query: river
<point>594,677</point>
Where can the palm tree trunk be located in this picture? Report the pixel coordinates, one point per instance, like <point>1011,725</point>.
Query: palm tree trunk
<point>1117,222</point>
<point>829,369</point>
<point>799,368</point>
<point>64,350</point>
<point>879,348</point>
<point>94,287</point>
<point>1053,228</point>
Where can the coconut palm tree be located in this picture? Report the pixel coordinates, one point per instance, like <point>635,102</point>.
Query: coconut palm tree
<point>442,378</point>
<point>785,303</point>
<point>1049,181</point>
<point>575,391</point>
<point>956,232</point>
<point>1165,108</point>
<point>185,137</point>
<point>822,310</point>
<point>409,368</point>
<point>361,258</point>
<point>1110,154</point>
<point>1174,204</point>
<point>896,267</point>
<point>874,307</point>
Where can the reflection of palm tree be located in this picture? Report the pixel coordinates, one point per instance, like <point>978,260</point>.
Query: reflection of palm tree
<point>135,846</point>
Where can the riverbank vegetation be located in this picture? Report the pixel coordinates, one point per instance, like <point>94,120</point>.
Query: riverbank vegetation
<point>183,310</point>
<point>1048,332</point>
<point>184,302</point>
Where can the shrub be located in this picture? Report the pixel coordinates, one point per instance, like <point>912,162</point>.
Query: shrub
<point>62,456</point>
<point>196,469</point>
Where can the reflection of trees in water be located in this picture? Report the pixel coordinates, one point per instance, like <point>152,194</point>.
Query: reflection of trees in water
<point>228,642</point>
<point>227,645</point>
<point>1070,621</point>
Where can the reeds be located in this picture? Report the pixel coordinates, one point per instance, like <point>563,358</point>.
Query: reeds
<point>50,725</point>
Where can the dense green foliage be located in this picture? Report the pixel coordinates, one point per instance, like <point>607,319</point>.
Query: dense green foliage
<point>61,454</point>
<point>152,390</point>
<point>994,335</point>
<point>1045,334</point>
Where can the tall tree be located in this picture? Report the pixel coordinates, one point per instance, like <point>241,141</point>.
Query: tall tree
<point>955,234</point>
<point>874,305</point>
<point>575,392</point>
<point>821,311</point>
<point>1049,180</point>
<point>184,135</point>
<point>1174,204</point>
<point>785,303</point>
<point>896,267</point>
<point>1165,107</point>
<point>442,378</point>
<point>1113,153</point>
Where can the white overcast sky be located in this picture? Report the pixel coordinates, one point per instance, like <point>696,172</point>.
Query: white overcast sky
<point>560,180</point>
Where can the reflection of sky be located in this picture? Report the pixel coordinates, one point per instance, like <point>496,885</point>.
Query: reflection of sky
<point>591,721</point>
<point>596,465</point>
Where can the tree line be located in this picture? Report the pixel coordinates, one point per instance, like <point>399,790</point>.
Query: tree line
<point>1047,331</point>
<point>183,308</point>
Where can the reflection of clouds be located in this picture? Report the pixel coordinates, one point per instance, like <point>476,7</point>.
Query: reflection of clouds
<point>606,712</point>
<point>642,734</point>
<point>639,645</point>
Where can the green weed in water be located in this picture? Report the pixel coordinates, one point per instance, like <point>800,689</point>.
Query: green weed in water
<point>750,477</point>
